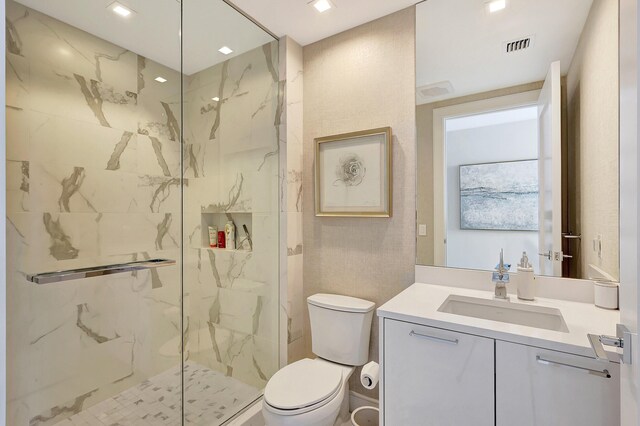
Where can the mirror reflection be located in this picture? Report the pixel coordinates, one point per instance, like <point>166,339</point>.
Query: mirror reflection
<point>517,112</point>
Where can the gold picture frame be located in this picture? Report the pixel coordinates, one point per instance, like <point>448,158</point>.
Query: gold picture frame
<point>353,174</point>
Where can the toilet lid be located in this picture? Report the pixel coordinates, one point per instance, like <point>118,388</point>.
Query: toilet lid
<point>301,384</point>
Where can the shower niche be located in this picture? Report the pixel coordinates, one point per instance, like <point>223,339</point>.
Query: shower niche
<point>243,230</point>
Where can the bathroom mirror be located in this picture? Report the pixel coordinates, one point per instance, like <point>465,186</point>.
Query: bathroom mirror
<point>517,130</point>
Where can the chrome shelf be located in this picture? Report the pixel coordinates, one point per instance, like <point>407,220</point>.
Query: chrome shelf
<point>97,271</point>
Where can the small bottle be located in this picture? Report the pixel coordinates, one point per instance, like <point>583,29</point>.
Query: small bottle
<point>230,234</point>
<point>526,279</point>
<point>221,239</point>
<point>213,236</point>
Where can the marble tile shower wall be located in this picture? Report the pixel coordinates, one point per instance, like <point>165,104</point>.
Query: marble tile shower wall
<point>291,73</point>
<point>232,166</point>
<point>93,176</point>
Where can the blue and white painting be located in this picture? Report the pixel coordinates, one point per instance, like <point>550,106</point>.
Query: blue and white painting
<point>499,196</point>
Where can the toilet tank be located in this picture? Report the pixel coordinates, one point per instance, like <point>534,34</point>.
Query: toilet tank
<point>340,328</point>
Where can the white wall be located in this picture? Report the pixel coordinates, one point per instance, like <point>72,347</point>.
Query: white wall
<point>592,99</point>
<point>479,249</point>
<point>361,79</point>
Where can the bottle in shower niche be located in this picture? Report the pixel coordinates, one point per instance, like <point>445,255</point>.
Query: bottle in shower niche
<point>213,236</point>
<point>230,235</point>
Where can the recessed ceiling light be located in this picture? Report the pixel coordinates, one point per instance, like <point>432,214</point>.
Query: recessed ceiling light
<point>120,9</point>
<point>322,5</point>
<point>225,50</point>
<point>216,99</point>
<point>496,5</point>
<point>160,79</point>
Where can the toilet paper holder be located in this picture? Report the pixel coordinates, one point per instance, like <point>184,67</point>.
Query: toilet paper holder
<point>370,375</point>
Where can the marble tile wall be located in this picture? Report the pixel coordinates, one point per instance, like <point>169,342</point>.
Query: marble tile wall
<point>291,74</point>
<point>94,177</point>
<point>231,163</point>
<point>90,177</point>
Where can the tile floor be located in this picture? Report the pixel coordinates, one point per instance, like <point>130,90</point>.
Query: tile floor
<point>210,398</point>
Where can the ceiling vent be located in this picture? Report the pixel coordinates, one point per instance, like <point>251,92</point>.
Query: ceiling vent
<point>435,91</point>
<point>518,45</point>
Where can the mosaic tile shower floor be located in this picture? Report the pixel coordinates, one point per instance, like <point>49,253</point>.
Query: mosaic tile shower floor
<point>210,398</point>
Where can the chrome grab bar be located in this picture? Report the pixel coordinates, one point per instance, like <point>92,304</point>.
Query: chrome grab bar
<point>434,338</point>
<point>602,373</point>
<point>97,271</point>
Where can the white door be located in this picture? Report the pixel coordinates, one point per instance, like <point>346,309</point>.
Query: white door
<point>629,248</point>
<point>550,173</point>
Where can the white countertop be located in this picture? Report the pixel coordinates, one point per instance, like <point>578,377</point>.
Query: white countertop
<point>419,304</point>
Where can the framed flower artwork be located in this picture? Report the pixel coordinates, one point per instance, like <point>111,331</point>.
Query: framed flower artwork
<point>353,174</point>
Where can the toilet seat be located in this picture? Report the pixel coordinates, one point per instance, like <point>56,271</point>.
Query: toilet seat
<point>303,386</point>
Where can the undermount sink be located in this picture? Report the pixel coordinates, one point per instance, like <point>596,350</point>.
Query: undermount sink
<point>504,311</point>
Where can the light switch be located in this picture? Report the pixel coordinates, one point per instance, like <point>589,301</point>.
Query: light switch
<point>422,229</point>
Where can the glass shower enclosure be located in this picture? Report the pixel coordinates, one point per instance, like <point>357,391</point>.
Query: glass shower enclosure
<point>142,211</point>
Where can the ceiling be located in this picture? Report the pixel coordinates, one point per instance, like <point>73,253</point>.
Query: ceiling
<point>299,20</point>
<point>461,34</point>
<point>459,41</point>
<point>153,31</point>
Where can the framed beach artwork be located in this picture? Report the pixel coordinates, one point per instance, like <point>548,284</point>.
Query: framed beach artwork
<point>499,196</point>
<point>353,174</point>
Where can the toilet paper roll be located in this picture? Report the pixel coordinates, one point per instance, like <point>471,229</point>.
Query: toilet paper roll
<point>370,374</point>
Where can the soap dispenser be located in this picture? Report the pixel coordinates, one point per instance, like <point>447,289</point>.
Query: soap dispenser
<point>526,279</point>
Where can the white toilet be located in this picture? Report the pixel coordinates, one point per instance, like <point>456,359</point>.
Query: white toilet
<point>315,392</point>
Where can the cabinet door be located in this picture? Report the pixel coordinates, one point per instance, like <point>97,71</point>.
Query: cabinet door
<point>436,377</point>
<point>541,387</point>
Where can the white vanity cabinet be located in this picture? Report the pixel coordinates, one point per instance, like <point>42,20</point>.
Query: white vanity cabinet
<point>436,377</point>
<point>541,387</point>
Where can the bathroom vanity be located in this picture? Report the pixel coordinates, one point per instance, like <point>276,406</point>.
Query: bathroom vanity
<point>445,363</point>
<point>514,127</point>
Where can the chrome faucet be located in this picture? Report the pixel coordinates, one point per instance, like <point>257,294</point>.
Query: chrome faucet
<point>501,278</point>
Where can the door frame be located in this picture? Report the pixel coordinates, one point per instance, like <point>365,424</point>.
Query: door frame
<point>629,204</point>
<point>440,115</point>
<point>550,164</point>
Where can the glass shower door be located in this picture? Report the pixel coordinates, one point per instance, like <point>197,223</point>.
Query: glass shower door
<point>233,104</point>
<point>93,178</point>
<point>143,190</point>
